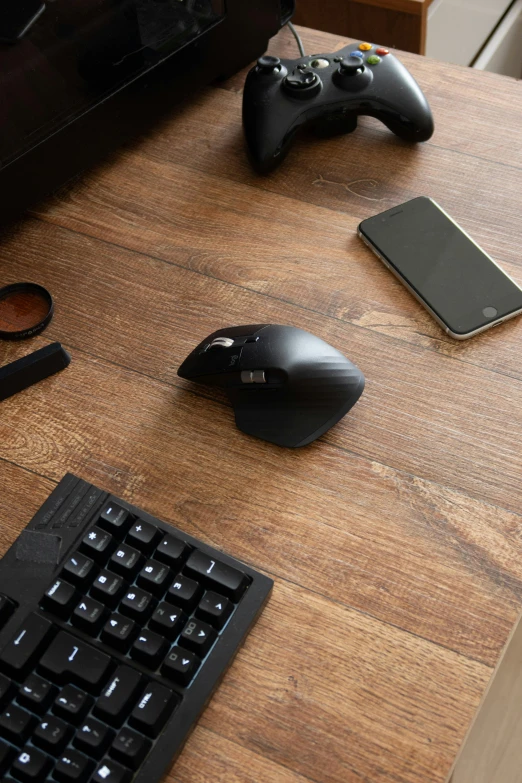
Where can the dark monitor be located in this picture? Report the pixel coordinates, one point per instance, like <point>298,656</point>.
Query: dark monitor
<point>125,62</point>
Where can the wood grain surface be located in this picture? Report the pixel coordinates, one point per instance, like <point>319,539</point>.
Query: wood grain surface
<point>398,23</point>
<point>394,540</point>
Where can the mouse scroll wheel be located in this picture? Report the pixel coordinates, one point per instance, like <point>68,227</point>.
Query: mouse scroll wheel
<point>222,342</point>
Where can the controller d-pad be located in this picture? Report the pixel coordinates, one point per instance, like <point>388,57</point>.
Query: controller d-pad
<point>302,83</point>
<point>301,79</point>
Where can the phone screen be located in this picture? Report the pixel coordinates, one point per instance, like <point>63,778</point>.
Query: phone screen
<point>447,270</point>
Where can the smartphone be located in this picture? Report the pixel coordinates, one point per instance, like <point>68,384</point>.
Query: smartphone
<point>456,281</point>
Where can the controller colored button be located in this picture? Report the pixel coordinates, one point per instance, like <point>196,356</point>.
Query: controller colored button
<point>358,55</point>
<point>365,47</point>
<point>382,51</point>
<point>373,60</point>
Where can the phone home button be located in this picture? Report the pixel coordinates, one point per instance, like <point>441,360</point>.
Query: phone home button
<point>490,312</point>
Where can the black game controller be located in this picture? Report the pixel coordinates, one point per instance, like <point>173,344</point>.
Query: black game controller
<point>328,92</point>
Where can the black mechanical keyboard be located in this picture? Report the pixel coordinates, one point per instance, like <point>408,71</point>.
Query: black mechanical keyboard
<point>115,629</point>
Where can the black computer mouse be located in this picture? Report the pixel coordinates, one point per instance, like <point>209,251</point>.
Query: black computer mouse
<point>286,385</point>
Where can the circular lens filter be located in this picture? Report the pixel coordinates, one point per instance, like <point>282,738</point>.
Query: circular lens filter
<point>25,310</point>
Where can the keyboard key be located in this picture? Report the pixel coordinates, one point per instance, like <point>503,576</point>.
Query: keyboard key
<point>115,519</point>
<point>143,536</point>
<point>36,694</point>
<point>6,755</point>
<point>198,637</point>
<point>110,772</point>
<point>16,724</point>
<point>184,592</point>
<point>72,704</point>
<point>6,688</point>
<point>167,620</point>
<point>60,598</point>
<point>73,767</point>
<point>93,738</point>
<point>125,561</point>
<point>118,632</point>
<point>31,766</point>
<point>7,607</point>
<point>130,748</point>
<point>108,588</point>
<point>19,655</point>
<point>154,707</point>
<point>155,577</point>
<point>89,616</point>
<point>71,659</point>
<point>52,735</point>
<point>180,666</point>
<point>79,570</point>
<point>137,604</point>
<point>224,578</point>
<point>171,551</point>
<point>76,707</point>
<point>119,696</point>
<point>97,544</point>
<point>214,609</point>
<point>149,649</point>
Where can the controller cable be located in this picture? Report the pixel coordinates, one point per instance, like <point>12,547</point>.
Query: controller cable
<point>297,38</point>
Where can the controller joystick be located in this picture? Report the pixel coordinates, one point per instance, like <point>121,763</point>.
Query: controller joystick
<point>268,65</point>
<point>352,75</point>
<point>350,67</point>
<point>328,92</point>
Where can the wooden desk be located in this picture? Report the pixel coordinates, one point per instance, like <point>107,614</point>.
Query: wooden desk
<point>395,540</point>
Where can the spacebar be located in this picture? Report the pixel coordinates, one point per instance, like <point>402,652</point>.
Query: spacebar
<point>70,660</point>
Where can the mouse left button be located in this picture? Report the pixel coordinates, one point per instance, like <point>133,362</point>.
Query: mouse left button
<point>237,331</point>
<point>215,361</point>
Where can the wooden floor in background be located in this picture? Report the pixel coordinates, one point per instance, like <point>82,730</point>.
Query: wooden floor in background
<point>395,541</point>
